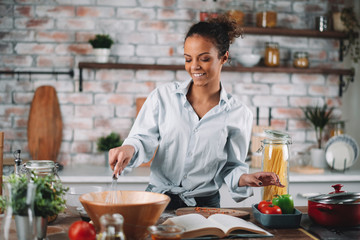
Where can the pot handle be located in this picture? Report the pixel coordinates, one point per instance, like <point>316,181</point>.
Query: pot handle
<point>337,188</point>
<point>324,207</point>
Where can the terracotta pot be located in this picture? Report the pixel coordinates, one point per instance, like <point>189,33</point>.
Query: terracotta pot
<point>336,209</point>
<point>139,209</point>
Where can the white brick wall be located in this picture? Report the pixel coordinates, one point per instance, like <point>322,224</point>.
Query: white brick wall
<point>53,35</point>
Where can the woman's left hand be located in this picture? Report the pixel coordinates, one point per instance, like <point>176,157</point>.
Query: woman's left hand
<point>260,179</point>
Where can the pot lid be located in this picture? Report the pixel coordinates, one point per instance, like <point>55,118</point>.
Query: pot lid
<point>337,198</point>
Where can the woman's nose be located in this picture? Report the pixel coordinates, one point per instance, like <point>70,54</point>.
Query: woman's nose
<point>195,65</point>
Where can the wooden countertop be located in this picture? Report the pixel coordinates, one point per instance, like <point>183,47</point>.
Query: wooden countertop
<point>58,229</point>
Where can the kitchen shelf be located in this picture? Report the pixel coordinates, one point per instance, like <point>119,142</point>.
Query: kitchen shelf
<point>295,32</point>
<point>315,70</point>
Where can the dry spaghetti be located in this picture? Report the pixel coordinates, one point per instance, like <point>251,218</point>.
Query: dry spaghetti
<point>275,159</point>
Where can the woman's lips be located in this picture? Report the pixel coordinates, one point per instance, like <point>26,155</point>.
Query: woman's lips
<point>198,74</point>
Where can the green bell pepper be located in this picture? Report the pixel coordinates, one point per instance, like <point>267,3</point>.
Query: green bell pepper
<point>285,202</point>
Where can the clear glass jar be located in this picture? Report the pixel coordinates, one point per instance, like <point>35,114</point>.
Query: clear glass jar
<point>272,54</point>
<point>301,60</point>
<point>337,128</point>
<point>111,227</point>
<point>275,158</point>
<point>266,17</point>
<point>236,14</point>
<point>42,168</point>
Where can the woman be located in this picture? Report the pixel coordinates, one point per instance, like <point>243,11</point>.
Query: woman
<point>202,132</point>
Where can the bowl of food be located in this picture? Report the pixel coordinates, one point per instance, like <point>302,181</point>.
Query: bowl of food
<point>72,199</point>
<point>277,220</point>
<point>248,59</point>
<point>140,209</point>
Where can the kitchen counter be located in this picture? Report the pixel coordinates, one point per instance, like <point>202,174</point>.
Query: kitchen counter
<point>301,185</point>
<point>59,228</point>
<point>102,174</point>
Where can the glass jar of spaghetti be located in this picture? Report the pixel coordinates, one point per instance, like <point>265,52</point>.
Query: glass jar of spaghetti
<point>275,158</point>
<point>266,17</point>
<point>272,54</point>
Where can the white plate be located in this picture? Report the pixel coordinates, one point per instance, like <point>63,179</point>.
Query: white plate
<point>341,148</point>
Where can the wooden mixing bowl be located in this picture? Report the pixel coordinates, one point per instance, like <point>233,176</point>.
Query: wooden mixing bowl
<point>140,209</point>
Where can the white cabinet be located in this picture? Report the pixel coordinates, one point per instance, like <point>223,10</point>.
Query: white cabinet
<point>137,180</point>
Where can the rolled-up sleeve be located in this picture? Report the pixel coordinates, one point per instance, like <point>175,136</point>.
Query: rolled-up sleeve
<point>237,148</point>
<point>144,135</point>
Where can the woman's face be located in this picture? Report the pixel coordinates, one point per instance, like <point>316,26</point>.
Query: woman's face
<point>201,60</point>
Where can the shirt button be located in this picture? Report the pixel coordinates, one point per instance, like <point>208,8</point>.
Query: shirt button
<point>185,176</point>
<point>189,154</point>
<point>195,130</point>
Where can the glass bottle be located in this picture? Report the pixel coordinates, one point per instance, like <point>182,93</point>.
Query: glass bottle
<point>266,17</point>
<point>7,224</point>
<point>18,167</point>
<point>272,54</point>
<point>275,158</point>
<point>301,60</point>
<point>21,205</point>
<point>111,227</point>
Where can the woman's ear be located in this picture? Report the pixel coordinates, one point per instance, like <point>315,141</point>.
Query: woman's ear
<point>225,58</point>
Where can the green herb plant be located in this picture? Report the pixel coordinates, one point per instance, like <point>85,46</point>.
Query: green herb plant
<point>352,44</point>
<point>319,117</point>
<point>49,195</point>
<point>112,140</point>
<point>101,41</point>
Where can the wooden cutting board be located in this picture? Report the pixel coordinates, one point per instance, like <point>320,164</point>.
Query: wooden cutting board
<point>307,170</point>
<point>206,212</point>
<point>44,125</point>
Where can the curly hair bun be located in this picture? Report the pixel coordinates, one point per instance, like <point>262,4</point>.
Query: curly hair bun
<point>221,30</point>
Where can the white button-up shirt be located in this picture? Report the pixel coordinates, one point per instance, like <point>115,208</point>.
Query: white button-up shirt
<point>194,156</point>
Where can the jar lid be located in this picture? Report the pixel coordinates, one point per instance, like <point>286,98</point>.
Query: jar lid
<point>272,44</point>
<point>301,54</point>
<point>278,135</point>
<point>40,164</point>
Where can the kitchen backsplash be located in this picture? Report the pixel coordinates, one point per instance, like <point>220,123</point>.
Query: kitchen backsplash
<point>49,35</point>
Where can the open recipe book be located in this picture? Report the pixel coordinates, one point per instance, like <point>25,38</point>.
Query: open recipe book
<point>220,225</point>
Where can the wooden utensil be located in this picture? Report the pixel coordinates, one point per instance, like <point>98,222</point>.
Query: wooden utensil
<point>206,212</point>
<point>44,125</point>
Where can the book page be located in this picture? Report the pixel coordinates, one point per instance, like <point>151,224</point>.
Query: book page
<point>229,223</point>
<point>192,222</point>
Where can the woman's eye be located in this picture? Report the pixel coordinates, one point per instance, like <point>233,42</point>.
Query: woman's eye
<point>187,60</point>
<point>205,59</point>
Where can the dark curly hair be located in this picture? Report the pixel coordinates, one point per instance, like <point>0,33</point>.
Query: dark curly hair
<point>222,31</point>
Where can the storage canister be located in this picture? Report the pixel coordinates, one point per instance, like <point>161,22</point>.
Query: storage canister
<point>272,54</point>
<point>42,168</point>
<point>266,17</point>
<point>301,60</point>
<point>275,158</point>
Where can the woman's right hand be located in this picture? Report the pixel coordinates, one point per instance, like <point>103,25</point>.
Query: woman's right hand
<point>120,157</point>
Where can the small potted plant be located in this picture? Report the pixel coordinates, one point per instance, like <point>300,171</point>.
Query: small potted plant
<point>319,118</point>
<point>101,45</point>
<point>346,21</point>
<point>46,200</point>
<point>104,144</point>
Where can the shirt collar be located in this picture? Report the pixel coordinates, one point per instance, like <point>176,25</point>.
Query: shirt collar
<point>183,88</point>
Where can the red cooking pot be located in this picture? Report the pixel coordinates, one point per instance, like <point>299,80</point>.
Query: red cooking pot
<point>336,209</point>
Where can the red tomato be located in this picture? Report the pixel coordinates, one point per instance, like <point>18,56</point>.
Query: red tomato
<point>271,209</point>
<point>81,230</point>
<point>263,204</point>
